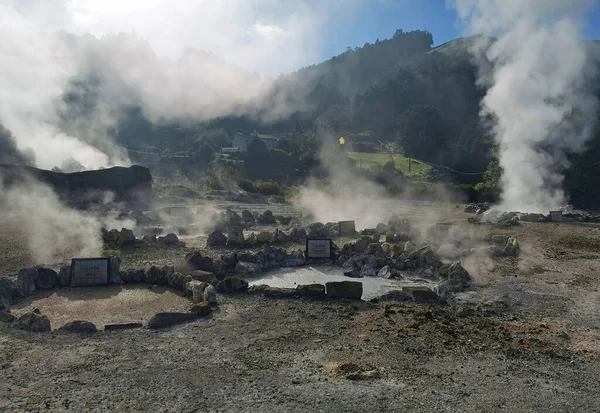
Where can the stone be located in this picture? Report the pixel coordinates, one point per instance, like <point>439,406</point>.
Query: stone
<point>454,278</point>
<point>216,239</point>
<point>113,275</point>
<point>171,239</point>
<point>284,220</point>
<point>282,237</point>
<point>396,295</point>
<point>235,236</point>
<point>9,293</point>
<point>229,260</point>
<point>126,237</point>
<point>233,219</point>
<point>311,290</point>
<point>421,294</point>
<point>161,320</point>
<point>247,257</point>
<point>359,246</point>
<point>389,236</point>
<point>268,218</point>
<point>210,294</point>
<point>32,321</point>
<point>139,276</point>
<point>387,272</point>
<point>247,217</point>
<point>64,276</point>
<point>201,309</point>
<point>79,326</point>
<point>6,317</point>
<point>195,261</point>
<point>257,289</point>
<point>274,292</point>
<point>264,237</point>
<point>110,237</point>
<point>197,288</point>
<point>150,239</point>
<point>46,279</point>
<point>512,247</point>
<point>232,284</point>
<point>408,246</point>
<point>176,280</point>
<point>26,280</point>
<point>344,289</point>
<point>247,268</point>
<point>500,239</point>
<point>298,234</point>
<point>251,240</point>
<point>317,230</point>
<point>375,248</point>
<point>155,275</point>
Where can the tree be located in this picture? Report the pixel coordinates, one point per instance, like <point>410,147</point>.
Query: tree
<point>205,154</point>
<point>258,163</point>
<point>421,132</point>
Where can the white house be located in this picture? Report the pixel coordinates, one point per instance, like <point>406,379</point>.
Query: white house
<point>241,140</point>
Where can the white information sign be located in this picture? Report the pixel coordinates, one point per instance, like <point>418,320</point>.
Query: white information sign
<point>318,248</point>
<point>89,271</point>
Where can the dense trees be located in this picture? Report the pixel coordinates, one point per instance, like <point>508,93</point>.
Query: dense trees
<point>422,133</point>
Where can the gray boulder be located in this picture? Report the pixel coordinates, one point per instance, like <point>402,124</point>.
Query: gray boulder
<point>79,326</point>
<point>233,219</point>
<point>210,294</point>
<point>274,292</point>
<point>46,279</point>
<point>9,294</point>
<point>195,261</point>
<point>344,289</point>
<point>317,230</point>
<point>216,239</point>
<point>155,275</point>
<point>311,290</point>
<point>232,285</point>
<point>33,321</point>
<point>247,217</point>
<point>298,234</point>
<point>235,236</point>
<point>264,237</point>
<point>170,239</point>
<point>6,317</point>
<point>197,289</point>
<point>176,280</point>
<point>26,280</point>
<point>114,275</point>
<point>126,237</point>
<point>267,217</point>
<point>244,268</point>
<point>454,278</point>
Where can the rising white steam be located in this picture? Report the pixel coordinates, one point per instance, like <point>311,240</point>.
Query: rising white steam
<point>538,78</point>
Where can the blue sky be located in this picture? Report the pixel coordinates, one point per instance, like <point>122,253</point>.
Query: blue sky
<point>380,19</point>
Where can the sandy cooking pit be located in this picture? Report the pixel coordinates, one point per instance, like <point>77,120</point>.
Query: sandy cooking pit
<point>104,305</point>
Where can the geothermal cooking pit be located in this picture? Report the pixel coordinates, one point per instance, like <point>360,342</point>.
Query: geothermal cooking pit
<point>104,305</point>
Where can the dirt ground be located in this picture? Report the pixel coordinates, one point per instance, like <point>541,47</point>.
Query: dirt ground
<point>524,338</point>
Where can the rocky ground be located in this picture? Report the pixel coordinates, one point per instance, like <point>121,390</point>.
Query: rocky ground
<point>523,338</point>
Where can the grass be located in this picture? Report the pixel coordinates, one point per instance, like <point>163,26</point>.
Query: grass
<point>369,160</point>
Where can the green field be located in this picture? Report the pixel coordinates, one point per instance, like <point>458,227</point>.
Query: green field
<point>370,160</point>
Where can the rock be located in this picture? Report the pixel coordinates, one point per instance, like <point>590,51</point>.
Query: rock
<point>247,268</point>
<point>232,284</point>
<point>110,237</point>
<point>298,234</point>
<point>46,279</point>
<point>229,260</point>
<point>311,290</point>
<point>247,257</point>
<point>195,261</point>
<point>359,246</point>
<point>171,239</point>
<point>257,289</point>
<point>161,320</point>
<point>26,280</point>
<point>533,218</point>
<point>32,321</point>
<point>264,238</point>
<point>64,276</point>
<point>268,218</point>
<point>344,289</point>
<point>197,289</point>
<point>274,292</point>
<point>216,239</point>
<point>499,239</point>
<point>150,239</point>
<point>113,275</point>
<point>139,276</point>
<point>176,280</point>
<point>235,236</point>
<point>375,248</point>
<point>317,230</point>
<point>512,247</point>
<point>251,240</point>
<point>396,295</point>
<point>247,217</point>
<point>155,275</point>
<point>408,246</point>
<point>233,219</point>
<point>284,220</point>
<point>201,309</point>
<point>389,236</point>
<point>277,199</point>
<point>387,272</point>
<point>79,326</point>
<point>126,237</point>
<point>210,294</point>
<point>6,317</point>
<point>9,294</point>
<point>421,294</point>
<point>454,278</point>
<point>282,237</point>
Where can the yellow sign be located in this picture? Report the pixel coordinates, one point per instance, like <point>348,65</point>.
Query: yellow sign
<point>342,140</point>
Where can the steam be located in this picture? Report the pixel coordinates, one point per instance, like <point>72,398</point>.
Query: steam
<point>537,75</point>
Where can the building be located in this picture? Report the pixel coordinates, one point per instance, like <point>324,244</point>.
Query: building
<point>241,140</point>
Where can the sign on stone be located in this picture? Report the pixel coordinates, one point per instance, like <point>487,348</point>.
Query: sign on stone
<point>556,216</point>
<point>318,248</point>
<point>89,271</point>
<point>347,228</point>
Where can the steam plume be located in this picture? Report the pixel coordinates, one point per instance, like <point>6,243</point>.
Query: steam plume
<point>537,74</point>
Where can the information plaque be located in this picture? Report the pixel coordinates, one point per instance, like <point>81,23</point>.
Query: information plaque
<point>556,216</point>
<point>347,228</point>
<point>318,248</point>
<point>89,271</point>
